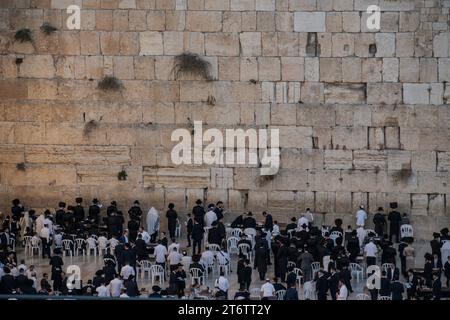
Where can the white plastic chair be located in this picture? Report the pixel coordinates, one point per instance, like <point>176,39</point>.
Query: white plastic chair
<point>79,246</point>
<point>91,246</point>
<point>102,247</point>
<point>27,243</point>
<point>236,232</point>
<point>324,231</point>
<point>223,266</point>
<point>384,298</point>
<point>35,245</point>
<point>145,266</point>
<point>255,293</point>
<point>157,271</point>
<point>250,232</point>
<point>280,294</point>
<point>209,266</point>
<point>232,245</point>
<point>406,230</point>
<point>386,266</point>
<point>178,229</point>
<point>197,274</point>
<point>299,274</point>
<point>334,235</point>
<point>356,269</point>
<point>246,251</point>
<point>362,296</point>
<point>12,244</point>
<point>315,267</point>
<point>214,248</point>
<point>67,246</point>
<point>290,232</point>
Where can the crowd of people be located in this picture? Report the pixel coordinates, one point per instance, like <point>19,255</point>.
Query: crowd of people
<point>319,262</point>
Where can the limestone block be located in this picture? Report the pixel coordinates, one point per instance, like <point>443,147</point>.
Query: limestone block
<point>325,44</point>
<point>248,69</point>
<point>109,43</point>
<point>390,69</point>
<point>409,70</point>
<point>443,161</point>
<point>250,43</point>
<point>265,21</point>
<point>217,5</point>
<point>441,45</point>
<point>173,42</point>
<point>305,200</point>
<point>338,159</point>
<point>385,44</point>
<point>269,69</point>
<point>248,21</point>
<point>69,43</point>
<point>283,114</point>
<point>416,93</point>
<point>398,160</point>
<point>389,22</point>
<point>392,137</point>
<point>156,20</point>
<point>40,175</point>
<point>351,70</point>
<point>330,69</point>
<point>236,200</point>
<point>312,92</point>
<point>309,21</point>
<point>151,43</point>
<point>362,43</point>
<point>129,43</point>
<point>104,20</point>
<point>444,69</point>
<point>176,178</point>
<point>325,202</point>
<point>204,21</point>
<point>343,202</point>
<point>295,137</point>
<point>90,43</point>
<point>222,178</point>
<point>8,68</point>
<point>37,66</point>
<point>351,22</point>
<point>194,42</point>
<point>42,89</point>
<point>436,93</point>
<point>175,20</point>
<point>301,159</point>
<point>315,115</point>
<point>46,43</point>
<point>436,204</point>
<point>372,70</point>
<point>343,45</point>
<point>419,204</point>
<point>351,138</point>
<point>312,69</point>
<point>281,202</point>
<point>369,159</point>
<point>222,44</point>
<point>284,21</point>
<point>268,91</point>
<point>288,44</point>
<point>344,5</point>
<point>7,133</point>
<point>384,93</point>
<point>292,68</point>
<point>433,182</point>
<point>137,20</point>
<point>257,200</point>
<point>120,20</point>
<point>262,113</point>
<point>144,68</point>
<point>269,44</point>
<point>345,93</point>
<point>287,92</point>
<point>242,5</point>
<point>334,22</point>
<point>231,21</point>
<point>405,44</point>
<point>409,21</point>
<point>229,68</point>
<point>11,154</point>
<point>428,70</point>
<point>423,139</point>
<point>376,138</point>
<point>302,5</point>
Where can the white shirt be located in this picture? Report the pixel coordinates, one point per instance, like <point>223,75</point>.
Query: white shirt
<point>223,284</point>
<point>115,286</point>
<point>91,242</point>
<point>45,233</point>
<point>102,242</point>
<point>301,222</point>
<point>145,236</point>
<point>361,234</point>
<point>361,217</point>
<point>309,216</point>
<point>210,217</point>
<point>343,293</point>
<point>127,271</point>
<point>207,257</point>
<point>275,230</point>
<point>103,291</point>
<point>223,257</point>
<point>186,261</point>
<point>160,253</point>
<point>268,289</point>
<point>370,250</point>
<point>49,224</point>
<point>173,245</point>
<point>58,239</point>
<point>174,258</point>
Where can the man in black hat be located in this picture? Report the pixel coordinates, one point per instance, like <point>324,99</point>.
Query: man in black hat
<point>112,208</point>
<point>94,211</point>
<point>219,210</point>
<point>59,215</point>
<point>379,221</point>
<point>17,210</point>
<point>199,212</point>
<point>177,280</point>
<point>436,245</point>
<point>135,212</point>
<point>78,211</point>
<point>214,235</point>
<point>156,294</point>
<point>172,218</point>
<point>394,218</point>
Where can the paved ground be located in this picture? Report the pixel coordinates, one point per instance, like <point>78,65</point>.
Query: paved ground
<point>90,264</point>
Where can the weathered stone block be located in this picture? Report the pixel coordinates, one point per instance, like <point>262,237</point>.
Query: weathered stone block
<point>338,159</point>
<point>385,44</point>
<point>204,21</point>
<point>151,43</point>
<point>416,93</point>
<point>309,22</point>
<point>331,69</point>
<point>250,43</point>
<point>384,93</point>
<point>345,93</point>
<point>372,70</point>
<point>390,69</point>
<point>222,44</point>
<point>38,66</point>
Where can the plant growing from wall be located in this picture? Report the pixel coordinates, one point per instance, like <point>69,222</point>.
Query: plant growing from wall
<point>122,175</point>
<point>19,61</point>
<point>48,29</point>
<point>21,166</point>
<point>110,83</point>
<point>192,64</point>
<point>211,101</point>
<point>23,35</point>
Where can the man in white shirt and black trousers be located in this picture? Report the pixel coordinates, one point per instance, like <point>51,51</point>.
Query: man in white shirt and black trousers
<point>45,238</point>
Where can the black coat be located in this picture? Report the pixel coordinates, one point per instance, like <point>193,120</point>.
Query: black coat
<point>333,283</point>
<point>394,219</point>
<point>397,290</point>
<point>291,294</point>
<point>172,217</point>
<point>199,213</point>
<point>7,284</point>
<point>268,223</point>
<point>322,287</point>
<point>197,232</point>
<point>385,287</point>
<point>94,212</point>
<point>437,287</point>
<point>214,236</point>
<point>78,213</point>
<point>245,275</point>
<point>249,222</point>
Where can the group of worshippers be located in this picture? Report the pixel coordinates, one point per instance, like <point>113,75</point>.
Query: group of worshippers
<point>293,249</point>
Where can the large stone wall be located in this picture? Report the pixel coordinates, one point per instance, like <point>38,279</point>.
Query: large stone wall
<point>363,114</point>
